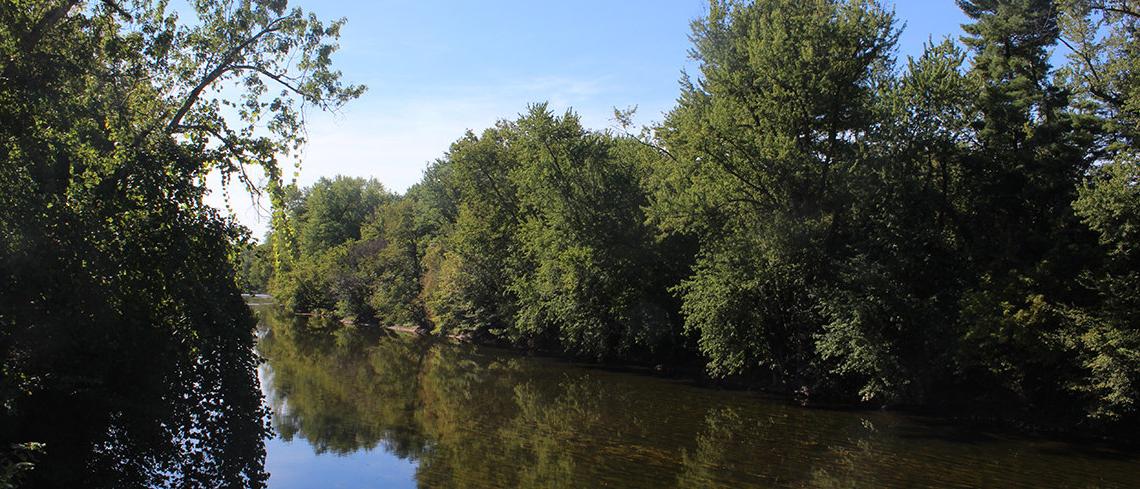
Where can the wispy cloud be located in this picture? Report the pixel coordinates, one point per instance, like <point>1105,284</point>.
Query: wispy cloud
<point>393,138</point>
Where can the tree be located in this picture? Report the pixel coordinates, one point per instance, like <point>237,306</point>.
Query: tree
<point>1101,35</point>
<point>1022,236</point>
<point>255,268</point>
<point>759,152</point>
<point>952,232</point>
<point>327,218</point>
<point>123,328</point>
<point>593,278</point>
<point>470,293</point>
<point>1103,76</point>
<point>891,309</point>
<point>334,211</point>
<point>395,267</point>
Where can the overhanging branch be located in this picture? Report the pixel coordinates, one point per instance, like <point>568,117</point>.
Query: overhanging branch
<point>223,67</point>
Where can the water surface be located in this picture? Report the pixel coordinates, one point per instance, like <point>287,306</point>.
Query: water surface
<point>361,407</point>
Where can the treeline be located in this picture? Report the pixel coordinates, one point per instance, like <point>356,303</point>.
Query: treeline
<point>534,232</point>
<point>957,230</point>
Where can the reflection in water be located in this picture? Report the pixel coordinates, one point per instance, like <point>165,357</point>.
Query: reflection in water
<point>475,417</point>
<point>154,410</point>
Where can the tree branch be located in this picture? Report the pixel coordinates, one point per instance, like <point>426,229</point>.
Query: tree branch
<point>1119,10</point>
<point>234,150</point>
<point>218,71</point>
<point>1097,81</point>
<point>33,37</point>
<point>286,81</point>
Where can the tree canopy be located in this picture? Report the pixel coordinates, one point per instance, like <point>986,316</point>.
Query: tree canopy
<point>956,230</point>
<point>813,216</point>
<point>125,346</point>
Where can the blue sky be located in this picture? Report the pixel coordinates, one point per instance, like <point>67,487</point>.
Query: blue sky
<point>437,68</point>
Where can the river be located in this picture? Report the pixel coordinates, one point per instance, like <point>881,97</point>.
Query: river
<point>363,407</point>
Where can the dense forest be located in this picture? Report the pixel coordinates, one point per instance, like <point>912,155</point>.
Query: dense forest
<point>957,230</point>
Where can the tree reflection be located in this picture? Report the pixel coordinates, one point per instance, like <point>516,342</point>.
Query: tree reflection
<point>477,418</point>
<point>473,417</point>
<point>153,410</point>
<point>342,389</point>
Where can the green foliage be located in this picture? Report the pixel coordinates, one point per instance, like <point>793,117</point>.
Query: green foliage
<point>1025,244</point>
<point>125,347</point>
<point>960,231</point>
<point>1106,336</point>
<point>327,222</point>
<point>394,268</point>
<point>307,285</point>
<point>953,231</point>
<point>763,152</point>
<point>255,268</point>
<point>587,253</point>
<point>332,212</point>
<point>470,293</point>
<point>1104,62</point>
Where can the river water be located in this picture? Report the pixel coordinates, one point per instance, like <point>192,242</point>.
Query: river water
<point>361,407</point>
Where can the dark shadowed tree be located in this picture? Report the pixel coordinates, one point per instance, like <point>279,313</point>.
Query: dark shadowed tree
<point>124,344</point>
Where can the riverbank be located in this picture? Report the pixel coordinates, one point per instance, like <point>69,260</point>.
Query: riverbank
<point>983,419</point>
<point>694,373</point>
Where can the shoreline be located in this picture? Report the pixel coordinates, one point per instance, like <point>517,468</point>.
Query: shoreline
<point>974,424</point>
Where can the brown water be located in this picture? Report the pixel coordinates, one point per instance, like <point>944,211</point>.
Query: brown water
<point>364,408</point>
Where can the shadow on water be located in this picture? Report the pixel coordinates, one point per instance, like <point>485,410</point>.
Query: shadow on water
<point>927,429</point>
<point>152,409</point>
<point>475,417</point>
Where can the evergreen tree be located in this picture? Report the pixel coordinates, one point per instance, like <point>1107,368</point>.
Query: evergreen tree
<point>1022,236</point>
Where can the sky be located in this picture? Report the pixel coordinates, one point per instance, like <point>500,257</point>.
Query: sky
<point>436,68</point>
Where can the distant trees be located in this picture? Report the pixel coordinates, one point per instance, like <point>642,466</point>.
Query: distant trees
<point>325,220</point>
<point>589,275</point>
<point>534,233</point>
<point>474,256</point>
<point>331,212</point>
<point>255,267</point>
<point>810,216</point>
